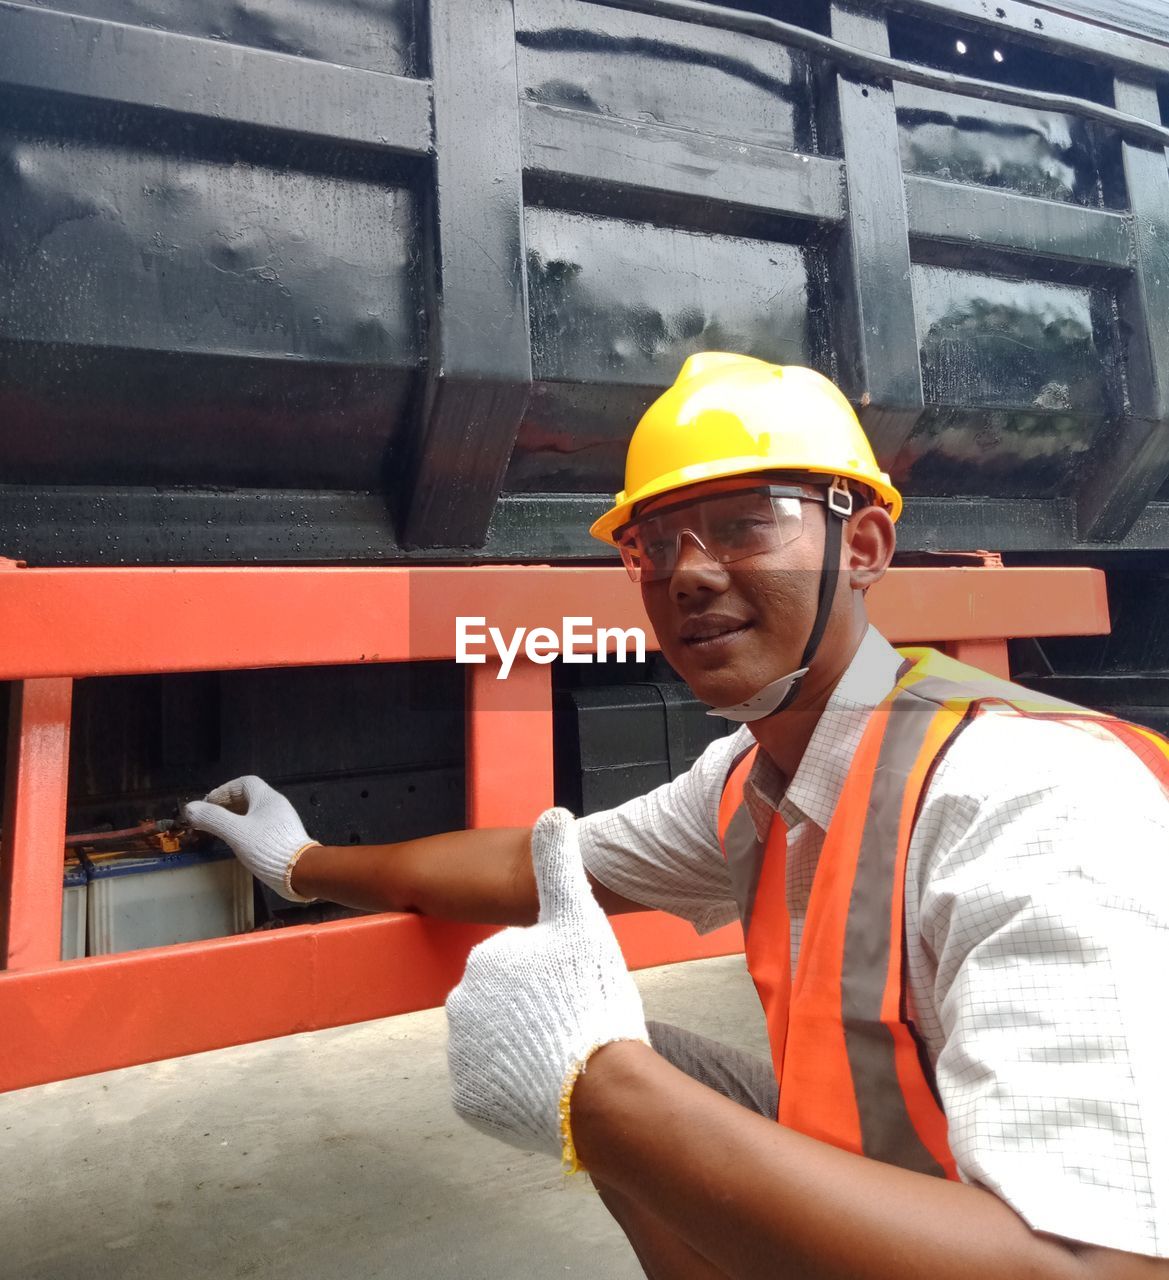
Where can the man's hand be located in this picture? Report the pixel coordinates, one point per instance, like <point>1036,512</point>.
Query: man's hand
<point>535,1002</point>
<point>261,827</point>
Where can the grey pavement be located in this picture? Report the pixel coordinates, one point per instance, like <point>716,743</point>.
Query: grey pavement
<point>333,1155</point>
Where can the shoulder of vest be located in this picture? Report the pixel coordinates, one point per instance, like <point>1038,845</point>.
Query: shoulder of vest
<point>941,679</point>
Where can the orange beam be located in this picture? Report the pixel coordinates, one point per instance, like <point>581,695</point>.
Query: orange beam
<point>70,1019</point>
<point>83,1016</point>
<point>509,745</point>
<point>74,622</point>
<point>510,783</point>
<point>91,1015</point>
<point>33,835</point>
<point>987,655</point>
<point>937,605</point>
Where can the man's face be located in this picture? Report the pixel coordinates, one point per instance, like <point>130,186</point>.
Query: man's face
<point>730,629</point>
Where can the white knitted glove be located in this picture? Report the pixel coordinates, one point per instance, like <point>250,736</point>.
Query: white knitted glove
<point>534,1003</point>
<point>260,825</point>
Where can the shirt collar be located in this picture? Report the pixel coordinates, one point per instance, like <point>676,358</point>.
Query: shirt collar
<point>819,780</point>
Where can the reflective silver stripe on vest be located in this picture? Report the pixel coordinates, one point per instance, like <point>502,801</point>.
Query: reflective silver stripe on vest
<point>887,1132</point>
<point>940,689</point>
<point>744,852</point>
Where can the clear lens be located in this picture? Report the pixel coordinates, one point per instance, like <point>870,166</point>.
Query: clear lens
<point>727,527</point>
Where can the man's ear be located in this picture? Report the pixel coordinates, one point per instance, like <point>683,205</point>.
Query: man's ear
<point>869,541</point>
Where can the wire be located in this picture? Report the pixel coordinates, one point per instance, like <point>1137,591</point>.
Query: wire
<point>143,829</point>
<point>876,64</point>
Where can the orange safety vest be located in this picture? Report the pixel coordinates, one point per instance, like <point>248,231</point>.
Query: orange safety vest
<point>851,1068</point>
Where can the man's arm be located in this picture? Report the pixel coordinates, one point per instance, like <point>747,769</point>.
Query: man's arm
<point>758,1200</point>
<point>481,876</point>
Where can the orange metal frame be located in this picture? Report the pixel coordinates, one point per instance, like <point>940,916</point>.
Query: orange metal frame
<point>63,1019</point>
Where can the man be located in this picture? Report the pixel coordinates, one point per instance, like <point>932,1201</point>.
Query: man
<point>954,895</point>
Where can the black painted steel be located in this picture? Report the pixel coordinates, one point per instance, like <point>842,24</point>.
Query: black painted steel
<point>1049,155</point>
<point>141,743</point>
<point>1085,101</point>
<point>709,81</point>
<point>148,526</point>
<point>1018,379</point>
<point>1125,672</point>
<point>1120,479</point>
<point>615,742</point>
<point>1050,26</point>
<point>1144,16</point>
<point>479,367</point>
<point>985,220</point>
<point>351,33</point>
<point>203,78</point>
<point>617,306</point>
<point>395,286</point>
<point>699,180</point>
<point>874,336</point>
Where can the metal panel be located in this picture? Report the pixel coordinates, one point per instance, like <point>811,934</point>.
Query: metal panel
<point>382,37</point>
<point>317,734</point>
<point>616,307</point>
<point>927,525</point>
<point>330,616</point>
<point>1018,524</point>
<point>875,332</point>
<point>1020,373</point>
<point>1057,32</point>
<point>149,527</point>
<point>1133,463</point>
<point>116,418</point>
<point>1145,16</point>
<point>34,821</point>
<point>709,179</point>
<point>1011,343</point>
<point>978,219</point>
<point>211,81</point>
<point>1045,154</point>
<point>509,745</point>
<point>647,70</point>
<point>214,315</point>
<point>173,319</point>
<point>1086,93</point>
<point>479,369</point>
<point>624,302</point>
<point>107,245</point>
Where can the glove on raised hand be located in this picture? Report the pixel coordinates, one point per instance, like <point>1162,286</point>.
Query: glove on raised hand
<point>535,1002</point>
<point>260,825</point>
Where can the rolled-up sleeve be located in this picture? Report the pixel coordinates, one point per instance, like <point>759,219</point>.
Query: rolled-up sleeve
<point>1048,914</point>
<point>662,849</point>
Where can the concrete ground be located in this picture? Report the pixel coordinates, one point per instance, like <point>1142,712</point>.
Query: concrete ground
<point>333,1155</point>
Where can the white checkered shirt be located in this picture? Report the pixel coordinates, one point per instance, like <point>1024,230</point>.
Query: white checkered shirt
<point>1037,915</point>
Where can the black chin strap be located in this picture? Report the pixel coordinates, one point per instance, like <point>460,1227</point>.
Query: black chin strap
<point>829,576</point>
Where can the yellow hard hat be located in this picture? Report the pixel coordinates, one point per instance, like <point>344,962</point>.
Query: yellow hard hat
<point>732,415</point>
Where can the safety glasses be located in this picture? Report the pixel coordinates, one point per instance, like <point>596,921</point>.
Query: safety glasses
<point>726,527</point>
